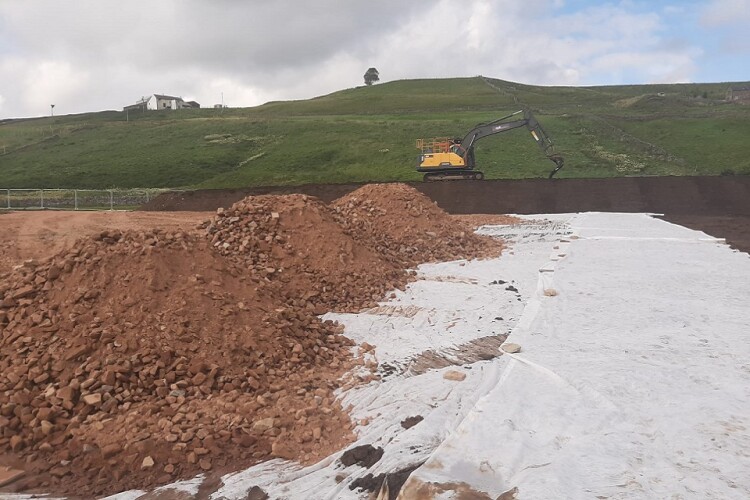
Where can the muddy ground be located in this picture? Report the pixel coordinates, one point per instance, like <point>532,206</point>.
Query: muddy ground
<point>735,229</point>
<point>35,235</point>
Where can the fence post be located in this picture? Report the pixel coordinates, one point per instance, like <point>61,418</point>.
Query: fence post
<point>8,198</point>
<point>75,199</point>
<point>111,200</point>
<point>41,197</point>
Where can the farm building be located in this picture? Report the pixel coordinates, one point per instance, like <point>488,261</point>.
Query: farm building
<point>740,94</point>
<point>159,101</point>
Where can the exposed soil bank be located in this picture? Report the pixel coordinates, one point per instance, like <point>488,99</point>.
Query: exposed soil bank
<point>729,195</point>
<point>735,229</point>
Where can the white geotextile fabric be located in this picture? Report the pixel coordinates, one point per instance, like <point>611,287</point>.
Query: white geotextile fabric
<point>633,381</point>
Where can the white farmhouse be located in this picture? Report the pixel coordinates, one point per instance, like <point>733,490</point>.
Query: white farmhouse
<point>159,101</point>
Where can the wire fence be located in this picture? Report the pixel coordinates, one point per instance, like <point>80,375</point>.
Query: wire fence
<point>76,199</point>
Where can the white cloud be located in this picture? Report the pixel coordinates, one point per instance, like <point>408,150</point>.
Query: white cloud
<point>730,18</point>
<point>50,82</point>
<point>87,58</point>
<point>726,12</point>
<point>511,43</point>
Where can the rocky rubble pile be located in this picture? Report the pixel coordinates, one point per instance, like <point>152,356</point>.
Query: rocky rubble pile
<point>138,358</point>
<point>135,359</point>
<point>408,228</point>
<point>295,240</point>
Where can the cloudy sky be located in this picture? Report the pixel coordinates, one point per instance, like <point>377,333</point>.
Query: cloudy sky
<point>90,55</point>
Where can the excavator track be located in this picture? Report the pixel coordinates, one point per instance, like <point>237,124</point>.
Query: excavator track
<point>453,176</point>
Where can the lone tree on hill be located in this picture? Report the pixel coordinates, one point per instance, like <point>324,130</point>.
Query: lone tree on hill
<point>371,76</point>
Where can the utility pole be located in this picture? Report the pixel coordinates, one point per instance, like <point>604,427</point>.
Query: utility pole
<point>52,109</point>
<point>222,102</point>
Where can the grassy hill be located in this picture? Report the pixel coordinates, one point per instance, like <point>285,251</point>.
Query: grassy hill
<point>368,134</point>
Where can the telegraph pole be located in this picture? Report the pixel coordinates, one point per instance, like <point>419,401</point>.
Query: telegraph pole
<point>52,109</point>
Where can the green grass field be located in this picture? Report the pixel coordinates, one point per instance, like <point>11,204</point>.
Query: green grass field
<point>368,134</point>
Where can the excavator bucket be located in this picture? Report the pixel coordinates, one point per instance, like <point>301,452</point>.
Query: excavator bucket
<point>559,162</point>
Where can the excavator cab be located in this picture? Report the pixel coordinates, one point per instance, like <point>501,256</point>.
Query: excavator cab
<point>444,158</point>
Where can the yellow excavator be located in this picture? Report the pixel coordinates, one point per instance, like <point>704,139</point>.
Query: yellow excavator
<point>448,159</point>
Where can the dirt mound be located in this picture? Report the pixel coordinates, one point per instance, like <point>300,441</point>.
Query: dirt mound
<point>407,227</point>
<point>138,358</point>
<point>295,240</point>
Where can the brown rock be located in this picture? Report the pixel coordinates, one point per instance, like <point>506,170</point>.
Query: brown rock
<point>246,440</point>
<point>199,378</point>
<point>110,377</point>
<point>45,413</point>
<point>8,475</point>
<point>76,352</point>
<point>511,348</point>
<point>46,427</point>
<point>67,393</point>
<point>111,450</point>
<point>263,424</point>
<point>454,375</point>
<point>147,463</point>
<point>54,272</point>
<point>256,493</point>
<point>92,399</point>
<point>197,366</point>
<point>205,464</point>
<point>282,448</point>
<point>23,292</point>
<point>16,443</point>
<point>60,471</point>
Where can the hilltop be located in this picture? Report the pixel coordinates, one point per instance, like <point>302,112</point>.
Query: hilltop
<point>368,134</point>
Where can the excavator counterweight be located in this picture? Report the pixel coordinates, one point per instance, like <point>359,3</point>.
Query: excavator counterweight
<point>447,159</point>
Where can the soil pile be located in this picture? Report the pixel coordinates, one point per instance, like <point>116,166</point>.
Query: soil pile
<point>139,358</point>
<point>408,228</point>
<point>295,240</point>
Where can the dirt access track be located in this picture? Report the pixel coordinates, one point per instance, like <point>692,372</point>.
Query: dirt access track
<point>35,235</point>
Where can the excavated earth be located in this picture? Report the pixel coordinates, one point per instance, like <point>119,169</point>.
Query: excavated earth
<point>134,358</point>
<point>405,226</point>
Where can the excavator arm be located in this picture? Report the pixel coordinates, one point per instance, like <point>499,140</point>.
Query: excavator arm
<point>466,148</point>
